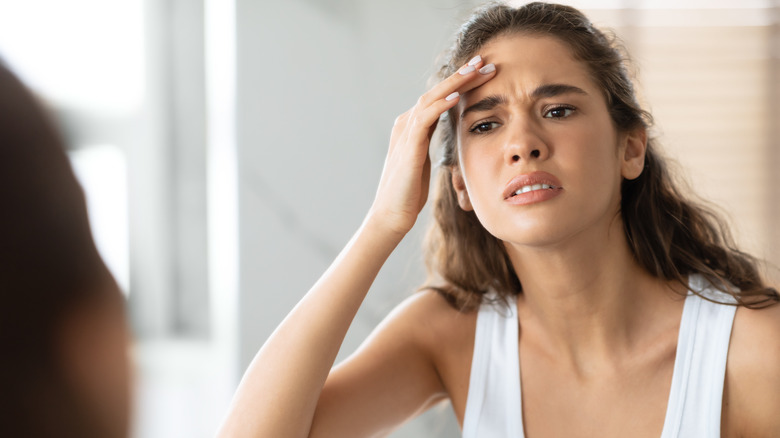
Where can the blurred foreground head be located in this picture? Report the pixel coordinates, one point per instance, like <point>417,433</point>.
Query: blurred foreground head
<point>63,334</point>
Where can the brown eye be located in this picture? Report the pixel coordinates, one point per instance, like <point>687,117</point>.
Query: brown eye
<point>483,127</point>
<point>559,112</point>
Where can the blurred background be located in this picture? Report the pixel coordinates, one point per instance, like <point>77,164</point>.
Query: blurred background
<point>229,149</point>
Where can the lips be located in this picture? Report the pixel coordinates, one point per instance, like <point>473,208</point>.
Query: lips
<point>530,183</point>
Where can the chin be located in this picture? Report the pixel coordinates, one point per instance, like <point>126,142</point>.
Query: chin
<point>532,237</point>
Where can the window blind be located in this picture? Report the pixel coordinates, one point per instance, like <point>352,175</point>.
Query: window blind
<point>710,77</point>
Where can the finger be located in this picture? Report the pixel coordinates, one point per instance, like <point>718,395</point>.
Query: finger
<point>419,122</point>
<point>424,121</point>
<point>474,70</point>
<point>484,74</point>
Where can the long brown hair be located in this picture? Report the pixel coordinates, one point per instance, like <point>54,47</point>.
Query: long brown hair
<point>50,271</point>
<point>670,236</point>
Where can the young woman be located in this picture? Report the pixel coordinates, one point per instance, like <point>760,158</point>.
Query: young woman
<point>575,291</point>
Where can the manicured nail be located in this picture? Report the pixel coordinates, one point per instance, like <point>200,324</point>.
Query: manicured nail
<point>466,70</point>
<point>490,68</point>
<point>475,60</point>
<point>452,96</point>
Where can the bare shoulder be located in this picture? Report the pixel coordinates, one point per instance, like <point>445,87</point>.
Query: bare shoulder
<point>752,390</point>
<point>445,335</point>
<point>396,373</point>
<point>754,352</point>
<point>432,319</point>
<point>448,338</point>
<point>426,326</point>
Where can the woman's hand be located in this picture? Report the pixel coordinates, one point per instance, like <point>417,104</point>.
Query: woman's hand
<point>403,188</point>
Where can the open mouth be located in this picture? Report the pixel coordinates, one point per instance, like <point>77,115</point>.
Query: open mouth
<point>532,187</point>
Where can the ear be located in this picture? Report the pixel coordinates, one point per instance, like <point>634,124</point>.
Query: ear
<point>460,189</point>
<point>635,146</point>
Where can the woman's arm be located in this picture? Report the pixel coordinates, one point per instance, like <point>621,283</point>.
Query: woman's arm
<point>395,374</point>
<point>280,391</point>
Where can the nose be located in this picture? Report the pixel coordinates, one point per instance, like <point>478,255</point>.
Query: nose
<point>525,143</point>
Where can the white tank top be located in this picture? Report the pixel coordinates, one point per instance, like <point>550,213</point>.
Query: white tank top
<point>494,403</point>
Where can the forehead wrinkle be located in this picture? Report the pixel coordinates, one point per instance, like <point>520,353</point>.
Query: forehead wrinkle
<point>542,91</point>
<point>485,104</point>
<point>553,90</point>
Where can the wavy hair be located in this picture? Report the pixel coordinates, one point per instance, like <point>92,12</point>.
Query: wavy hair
<point>670,236</point>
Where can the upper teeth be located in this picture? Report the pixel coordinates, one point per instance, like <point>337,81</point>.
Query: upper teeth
<point>528,188</point>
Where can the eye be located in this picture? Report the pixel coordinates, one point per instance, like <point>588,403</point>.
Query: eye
<point>483,127</point>
<point>559,112</point>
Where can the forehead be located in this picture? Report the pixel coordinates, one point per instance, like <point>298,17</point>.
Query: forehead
<point>524,62</point>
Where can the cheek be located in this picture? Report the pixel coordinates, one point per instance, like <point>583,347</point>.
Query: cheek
<point>594,169</point>
<point>594,147</point>
<point>478,162</point>
<point>484,188</point>
<point>477,172</point>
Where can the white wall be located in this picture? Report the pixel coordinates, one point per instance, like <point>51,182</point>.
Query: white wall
<point>319,85</point>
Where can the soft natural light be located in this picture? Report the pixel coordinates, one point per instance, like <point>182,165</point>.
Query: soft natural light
<point>85,54</point>
<point>222,178</point>
<point>101,169</point>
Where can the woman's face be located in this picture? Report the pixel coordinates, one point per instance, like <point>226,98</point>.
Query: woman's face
<point>541,128</point>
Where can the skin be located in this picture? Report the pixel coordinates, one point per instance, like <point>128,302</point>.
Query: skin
<point>598,333</point>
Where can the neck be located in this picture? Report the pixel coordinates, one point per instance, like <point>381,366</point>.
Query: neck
<point>589,299</point>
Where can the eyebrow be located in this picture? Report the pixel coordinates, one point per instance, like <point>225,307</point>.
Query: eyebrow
<point>546,90</point>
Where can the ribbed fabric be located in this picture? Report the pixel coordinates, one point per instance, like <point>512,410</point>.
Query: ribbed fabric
<point>494,403</point>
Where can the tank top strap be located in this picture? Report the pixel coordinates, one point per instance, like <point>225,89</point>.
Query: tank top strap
<point>696,394</point>
<point>493,406</point>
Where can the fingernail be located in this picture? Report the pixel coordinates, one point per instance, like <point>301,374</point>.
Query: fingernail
<point>475,60</point>
<point>490,68</point>
<point>466,70</point>
<point>452,96</point>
